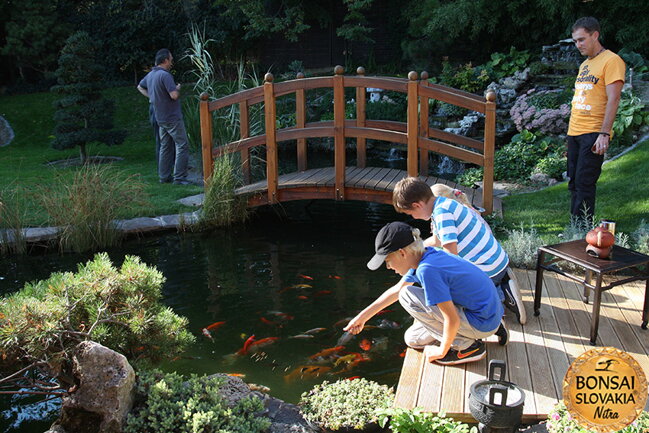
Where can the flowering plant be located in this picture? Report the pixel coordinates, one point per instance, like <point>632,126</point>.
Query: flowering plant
<point>560,421</point>
<point>541,110</point>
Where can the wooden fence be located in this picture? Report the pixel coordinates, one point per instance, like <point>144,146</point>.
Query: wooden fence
<point>416,133</point>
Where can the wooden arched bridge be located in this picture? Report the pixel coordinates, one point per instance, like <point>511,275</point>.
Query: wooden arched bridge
<point>342,182</point>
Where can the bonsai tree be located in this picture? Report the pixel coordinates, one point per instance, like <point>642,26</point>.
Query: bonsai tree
<point>41,325</point>
<point>82,114</point>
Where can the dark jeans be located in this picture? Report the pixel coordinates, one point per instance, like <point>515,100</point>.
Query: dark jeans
<point>156,132</point>
<point>174,151</point>
<point>584,168</point>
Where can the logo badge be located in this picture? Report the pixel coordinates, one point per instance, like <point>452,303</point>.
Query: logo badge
<point>605,389</point>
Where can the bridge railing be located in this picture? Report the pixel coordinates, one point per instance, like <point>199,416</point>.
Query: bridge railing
<point>416,133</point>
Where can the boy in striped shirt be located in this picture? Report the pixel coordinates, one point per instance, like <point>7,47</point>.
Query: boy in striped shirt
<point>458,230</point>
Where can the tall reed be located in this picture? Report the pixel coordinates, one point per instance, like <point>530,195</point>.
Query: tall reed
<point>12,215</point>
<point>86,206</point>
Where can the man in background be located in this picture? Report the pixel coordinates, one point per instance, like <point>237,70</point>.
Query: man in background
<point>597,95</point>
<point>163,93</point>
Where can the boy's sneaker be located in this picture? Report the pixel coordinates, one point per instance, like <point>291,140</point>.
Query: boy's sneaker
<point>513,298</point>
<point>502,333</point>
<point>475,352</point>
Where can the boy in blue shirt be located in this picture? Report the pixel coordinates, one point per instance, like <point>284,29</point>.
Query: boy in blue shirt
<point>455,307</point>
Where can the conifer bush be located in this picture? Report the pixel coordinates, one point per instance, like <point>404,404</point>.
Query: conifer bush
<point>119,308</point>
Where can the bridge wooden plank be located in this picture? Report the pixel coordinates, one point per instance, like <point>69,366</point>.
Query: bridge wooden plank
<point>349,171</point>
<point>353,175</point>
<point>390,179</point>
<point>376,178</point>
<point>306,178</point>
<point>393,182</point>
<point>368,175</point>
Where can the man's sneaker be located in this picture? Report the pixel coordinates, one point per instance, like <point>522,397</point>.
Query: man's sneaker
<point>502,333</point>
<point>475,352</point>
<point>513,299</point>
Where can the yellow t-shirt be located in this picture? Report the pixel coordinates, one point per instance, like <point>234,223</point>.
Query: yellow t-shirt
<point>589,102</point>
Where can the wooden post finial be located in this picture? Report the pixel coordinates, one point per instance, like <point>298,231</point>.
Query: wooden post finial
<point>300,75</point>
<point>204,96</point>
<point>339,70</point>
<point>490,95</point>
<point>412,75</point>
<point>424,75</point>
<point>268,78</point>
<point>360,70</point>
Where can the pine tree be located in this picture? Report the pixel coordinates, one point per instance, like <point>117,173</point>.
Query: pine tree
<point>82,114</point>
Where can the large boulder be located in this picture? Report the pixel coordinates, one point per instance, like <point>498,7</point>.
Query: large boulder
<point>105,391</point>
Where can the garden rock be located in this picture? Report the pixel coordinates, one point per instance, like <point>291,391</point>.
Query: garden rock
<point>540,178</point>
<point>105,392</point>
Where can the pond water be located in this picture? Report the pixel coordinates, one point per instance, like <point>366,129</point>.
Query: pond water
<point>291,268</point>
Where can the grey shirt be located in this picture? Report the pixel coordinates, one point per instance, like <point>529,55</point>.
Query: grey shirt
<point>158,84</point>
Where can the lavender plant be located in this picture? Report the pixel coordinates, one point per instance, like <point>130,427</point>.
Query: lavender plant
<point>543,111</point>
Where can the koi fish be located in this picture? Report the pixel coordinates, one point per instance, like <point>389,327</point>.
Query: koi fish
<point>302,297</point>
<point>309,371</point>
<point>323,292</point>
<point>365,344</point>
<point>280,315</point>
<point>403,354</point>
<point>335,277</point>
<point>344,339</point>
<point>258,344</point>
<point>260,388</point>
<point>353,378</point>
<point>215,325</point>
<point>314,331</point>
<point>302,286</point>
<point>306,277</point>
<point>327,352</point>
<point>345,359</point>
<point>267,322</point>
<point>352,360</point>
<point>235,375</point>
<point>207,333</point>
<point>246,345</point>
<point>388,324</point>
<point>342,322</point>
<point>302,336</point>
<point>384,312</point>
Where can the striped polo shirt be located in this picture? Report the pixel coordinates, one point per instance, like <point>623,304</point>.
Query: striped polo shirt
<point>454,222</point>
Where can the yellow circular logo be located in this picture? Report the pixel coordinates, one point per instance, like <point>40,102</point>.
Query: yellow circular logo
<point>605,389</point>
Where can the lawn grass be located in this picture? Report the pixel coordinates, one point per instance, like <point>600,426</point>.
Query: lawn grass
<point>22,163</point>
<point>622,195</point>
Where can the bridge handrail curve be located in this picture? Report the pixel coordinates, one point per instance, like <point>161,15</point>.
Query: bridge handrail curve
<point>416,133</point>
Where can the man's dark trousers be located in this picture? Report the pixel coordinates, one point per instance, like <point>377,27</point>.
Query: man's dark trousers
<point>584,168</point>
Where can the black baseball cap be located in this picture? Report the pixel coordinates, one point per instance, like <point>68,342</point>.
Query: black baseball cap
<point>392,237</point>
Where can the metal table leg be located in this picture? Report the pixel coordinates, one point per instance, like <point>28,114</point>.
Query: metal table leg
<point>645,310</point>
<point>539,282</point>
<point>594,321</point>
<point>588,280</point>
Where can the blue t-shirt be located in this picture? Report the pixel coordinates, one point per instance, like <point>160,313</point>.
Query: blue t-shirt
<point>158,84</point>
<point>447,277</point>
<point>454,222</point>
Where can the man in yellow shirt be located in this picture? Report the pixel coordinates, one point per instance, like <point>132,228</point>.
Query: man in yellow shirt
<point>597,95</point>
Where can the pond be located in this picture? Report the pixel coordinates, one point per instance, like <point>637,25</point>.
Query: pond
<point>290,269</point>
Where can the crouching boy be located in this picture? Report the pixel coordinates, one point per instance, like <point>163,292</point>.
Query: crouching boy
<point>454,309</point>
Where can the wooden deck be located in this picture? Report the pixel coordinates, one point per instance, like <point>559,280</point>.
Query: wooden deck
<point>539,352</point>
<point>365,184</point>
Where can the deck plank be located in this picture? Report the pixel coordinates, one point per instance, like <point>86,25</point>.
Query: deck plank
<point>430,390</point>
<point>408,386</point>
<point>453,390</point>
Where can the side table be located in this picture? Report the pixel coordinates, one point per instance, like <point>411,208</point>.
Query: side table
<point>575,252</point>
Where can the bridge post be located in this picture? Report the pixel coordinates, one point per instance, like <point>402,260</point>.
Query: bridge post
<point>423,126</point>
<point>206,137</point>
<point>361,160</point>
<point>271,138</point>
<point>300,122</point>
<point>413,125</point>
<point>339,131</point>
<point>489,146</point>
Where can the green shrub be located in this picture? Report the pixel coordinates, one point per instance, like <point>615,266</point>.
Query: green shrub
<point>516,160</point>
<point>345,403</point>
<point>470,176</point>
<point>553,165</point>
<point>522,247</point>
<point>631,115</point>
<point>560,421</point>
<point>41,324</point>
<point>418,421</point>
<point>505,64</point>
<point>86,206</point>
<point>166,402</point>
<point>640,238</point>
<point>465,77</point>
<point>221,207</point>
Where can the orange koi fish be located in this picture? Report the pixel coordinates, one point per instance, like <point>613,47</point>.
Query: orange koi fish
<point>306,277</point>
<point>403,354</point>
<point>246,345</point>
<point>262,343</point>
<point>267,322</point>
<point>353,377</point>
<point>207,333</point>
<point>215,325</point>
<point>302,297</point>
<point>365,344</point>
<point>281,315</point>
<point>235,375</point>
<point>308,371</point>
<point>327,352</point>
<point>335,277</point>
<point>323,292</point>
